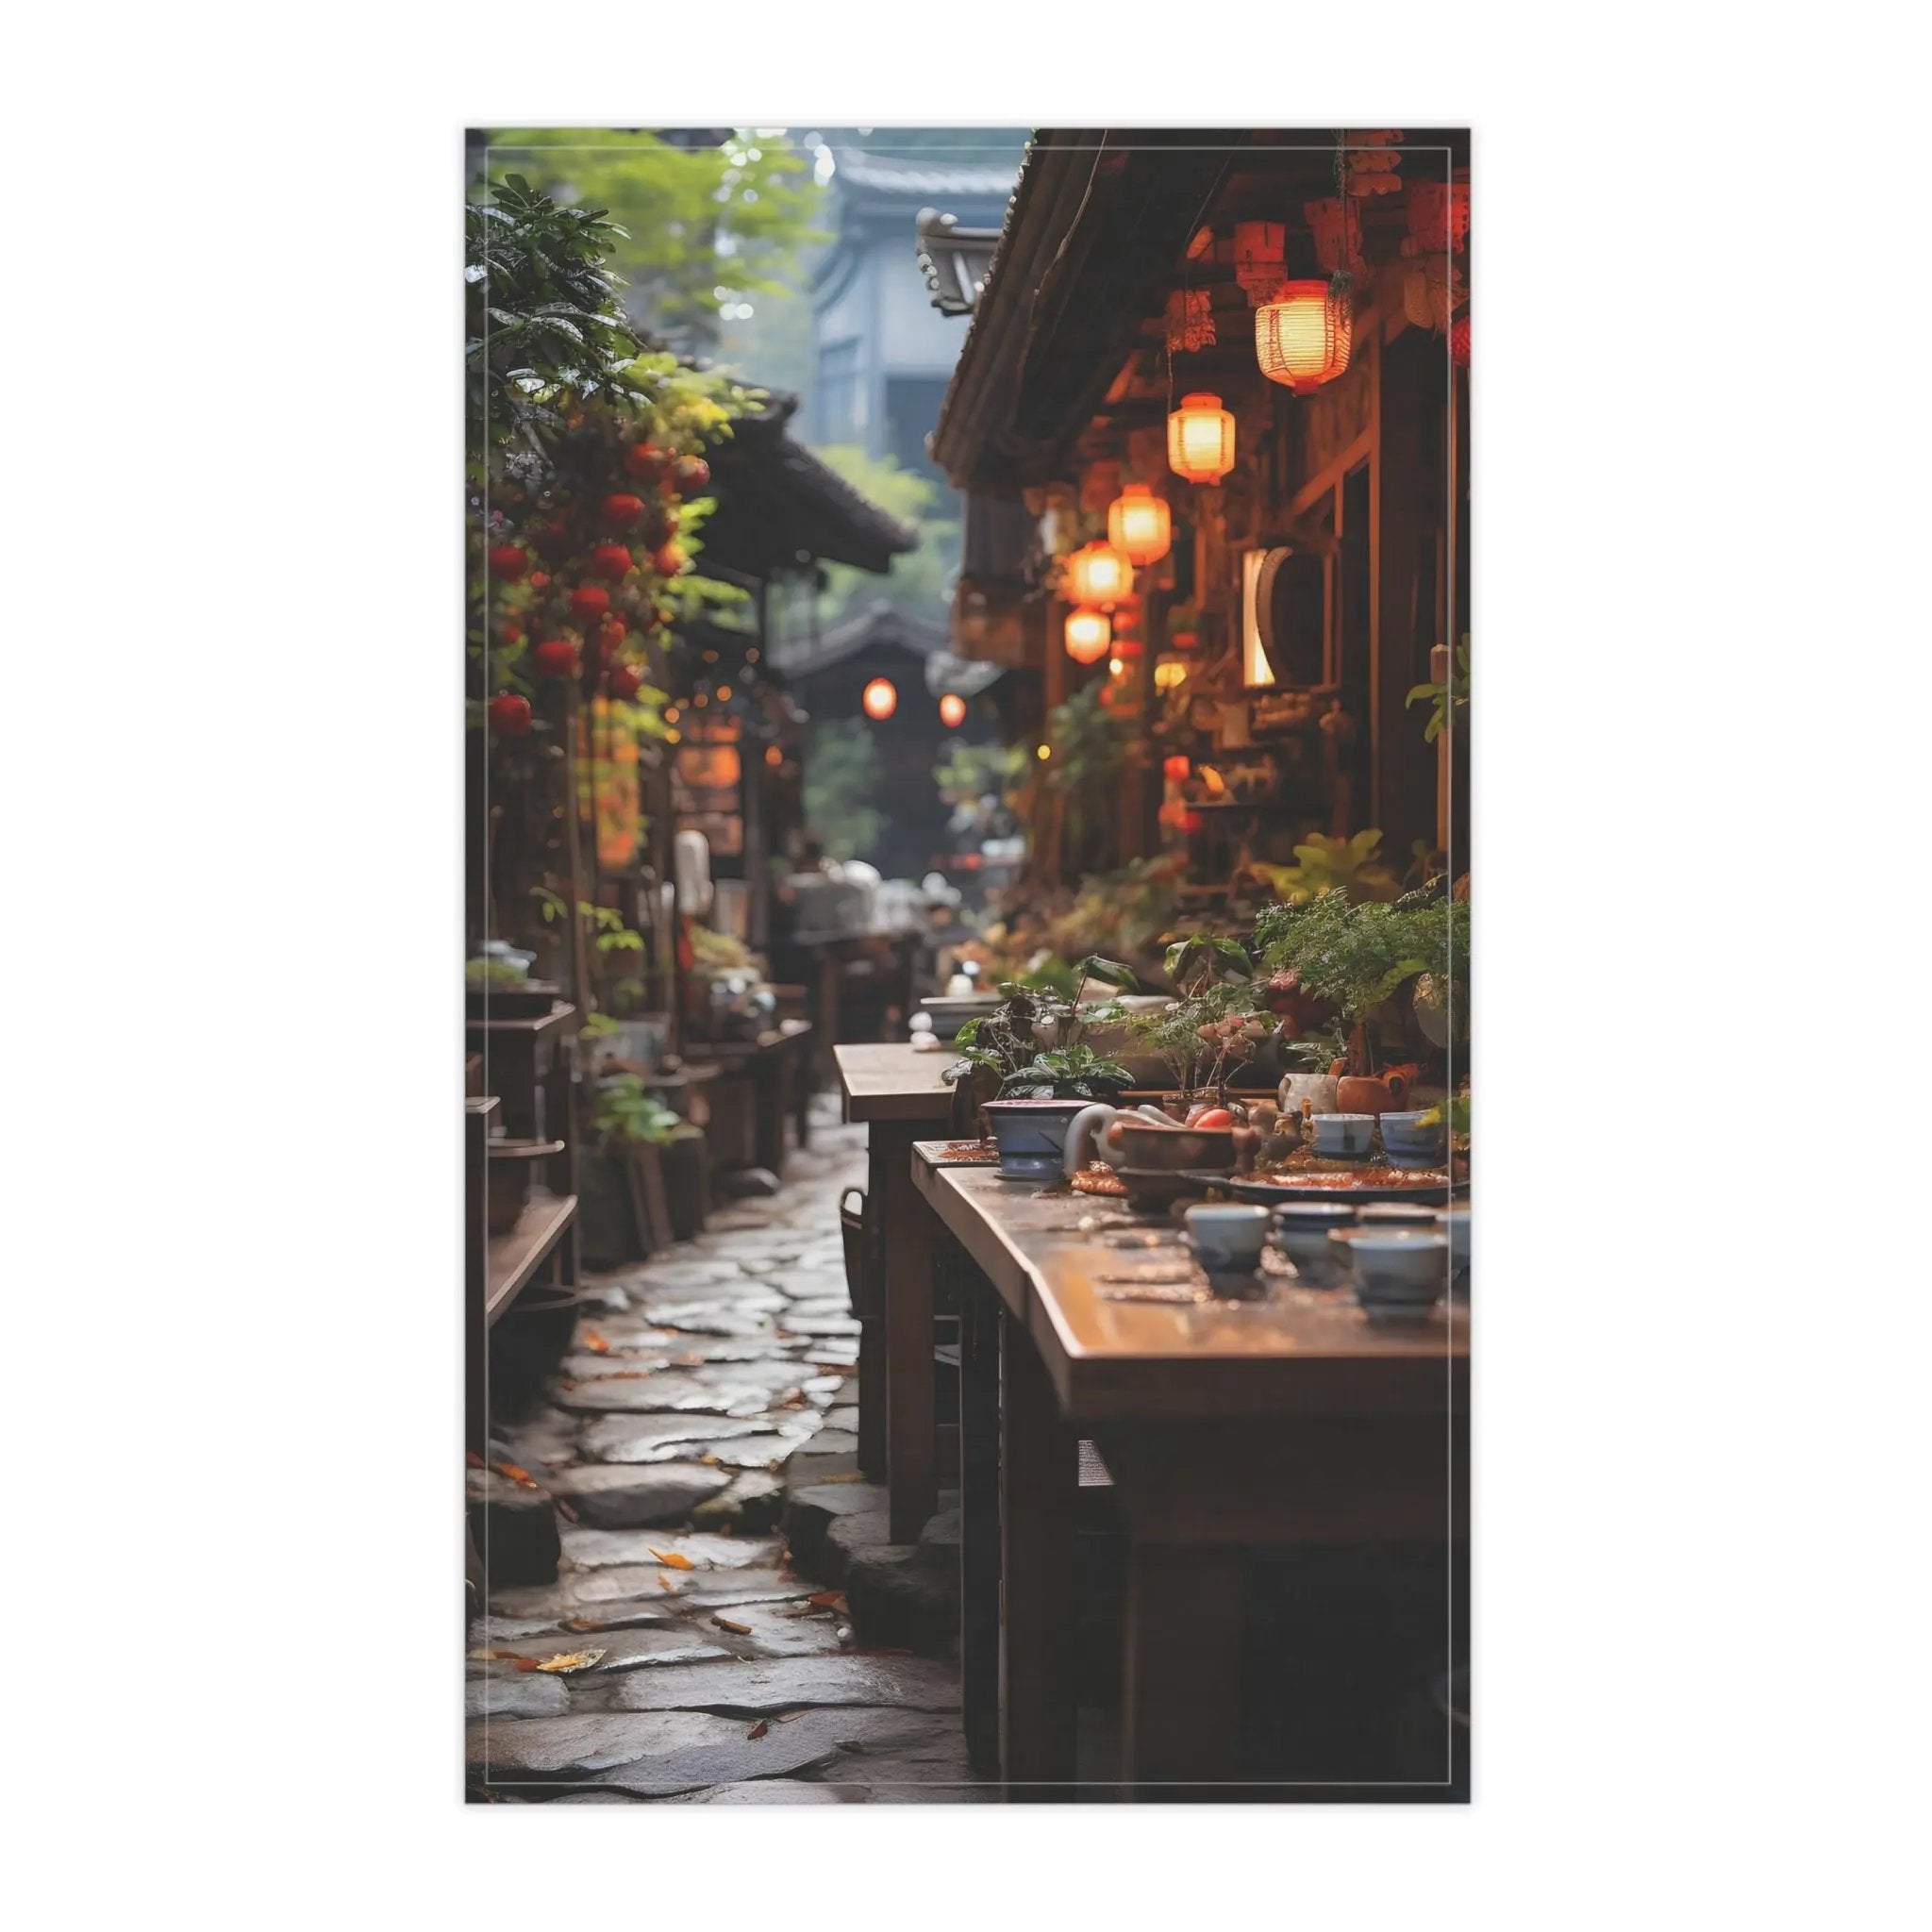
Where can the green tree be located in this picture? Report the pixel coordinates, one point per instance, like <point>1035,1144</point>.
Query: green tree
<point>707,227</point>
<point>841,777</point>
<point>919,582</point>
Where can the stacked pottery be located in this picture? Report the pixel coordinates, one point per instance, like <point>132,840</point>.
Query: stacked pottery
<point>1400,1273</point>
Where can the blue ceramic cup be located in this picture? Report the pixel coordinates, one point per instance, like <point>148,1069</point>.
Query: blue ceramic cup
<point>1409,1143</point>
<point>1228,1236</point>
<point>1343,1136</point>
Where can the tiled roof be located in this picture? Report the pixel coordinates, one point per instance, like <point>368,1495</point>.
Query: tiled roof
<point>933,181</point>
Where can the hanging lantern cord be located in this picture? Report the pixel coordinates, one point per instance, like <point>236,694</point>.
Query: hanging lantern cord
<point>1340,281</point>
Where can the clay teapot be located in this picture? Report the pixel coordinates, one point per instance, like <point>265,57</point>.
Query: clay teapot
<point>1373,1092</point>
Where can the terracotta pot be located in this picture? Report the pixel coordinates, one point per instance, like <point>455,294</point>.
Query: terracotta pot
<point>1365,1094</point>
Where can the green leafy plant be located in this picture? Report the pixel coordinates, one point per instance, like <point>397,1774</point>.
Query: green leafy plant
<point>1212,1029</point>
<point>626,1115</point>
<point>1356,956</point>
<point>1325,863</point>
<point>1008,1041</point>
<point>1068,1073</point>
<point>1452,1113</point>
<point>1444,697</point>
<point>481,972</point>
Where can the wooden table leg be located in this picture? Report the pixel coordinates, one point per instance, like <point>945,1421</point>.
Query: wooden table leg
<point>1039,1485</point>
<point>906,1230</point>
<point>1181,1701</point>
<point>979,1520</point>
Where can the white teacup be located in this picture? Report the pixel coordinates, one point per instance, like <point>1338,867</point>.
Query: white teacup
<point>1228,1236</point>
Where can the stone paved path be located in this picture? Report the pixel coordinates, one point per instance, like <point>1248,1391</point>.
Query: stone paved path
<point>703,1384</point>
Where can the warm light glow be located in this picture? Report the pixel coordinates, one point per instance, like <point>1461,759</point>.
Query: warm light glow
<point>723,693</point>
<point>1256,669</point>
<point>1089,634</point>
<point>880,699</point>
<point>1200,439</point>
<point>952,710</point>
<point>773,756</point>
<point>1138,525</point>
<point>1044,751</point>
<point>1175,768</point>
<point>1169,674</point>
<point>1302,336</point>
<point>1098,574</point>
<point>1116,665</point>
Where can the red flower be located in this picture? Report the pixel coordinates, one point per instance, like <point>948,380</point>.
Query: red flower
<point>539,579</point>
<point>668,560</point>
<point>694,473</point>
<point>611,560</point>
<point>512,630</point>
<point>622,512</point>
<point>554,657</point>
<point>646,462</point>
<point>507,562</point>
<point>590,603</point>
<point>509,715</point>
<point>611,636</point>
<point>626,680</point>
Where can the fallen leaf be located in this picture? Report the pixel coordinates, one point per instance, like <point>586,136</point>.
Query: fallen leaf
<point>580,1623</point>
<point>745,1629</point>
<point>711,1461</point>
<point>828,1599</point>
<point>491,1657</point>
<point>595,1342</point>
<point>788,1717</point>
<point>573,1660</point>
<point>665,1584</point>
<point>522,1478</point>
<point>671,1559</point>
<point>526,1663</point>
<point>475,1460</point>
<point>757,1731</point>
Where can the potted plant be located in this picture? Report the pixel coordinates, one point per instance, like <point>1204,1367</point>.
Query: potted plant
<point>1030,1052</point>
<point>1357,958</point>
<point>1212,1029</point>
<point>625,1212</point>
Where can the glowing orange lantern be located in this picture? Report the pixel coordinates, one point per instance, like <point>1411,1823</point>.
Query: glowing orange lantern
<point>1200,438</point>
<point>880,698</point>
<point>952,710</point>
<point>1170,674</point>
<point>1089,635</point>
<point>1138,525</point>
<point>1302,336</point>
<point>1175,768</point>
<point>1099,576</point>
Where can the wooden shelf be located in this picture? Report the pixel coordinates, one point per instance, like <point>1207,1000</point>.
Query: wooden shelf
<point>535,1022</point>
<point>516,1256</point>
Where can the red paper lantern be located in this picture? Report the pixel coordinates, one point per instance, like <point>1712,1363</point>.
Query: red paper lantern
<point>509,715</point>
<point>646,461</point>
<point>952,710</point>
<point>880,699</point>
<point>554,657</point>
<point>1088,636</point>
<point>1302,337</point>
<point>1139,524</point>
<point>693,473</point>
<point>588,603</point>
<point>611,560</point>
<point>625,681</point>
<point>622,512</point>
<point>507,563</point>
<point>1200,439</point>
<point>1175,768</point>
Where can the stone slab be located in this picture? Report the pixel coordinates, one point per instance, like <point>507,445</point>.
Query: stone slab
<point>763,1689</point>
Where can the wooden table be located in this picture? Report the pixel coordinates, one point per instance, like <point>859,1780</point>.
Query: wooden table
<point>1227,1426</point>
<point>898,1092</point>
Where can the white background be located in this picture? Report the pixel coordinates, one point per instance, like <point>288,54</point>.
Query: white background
<point>231,682</point>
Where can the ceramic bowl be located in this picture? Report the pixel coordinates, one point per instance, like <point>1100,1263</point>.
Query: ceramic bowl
<point>1400,1273</point>
<point>1343,1136</point>
<point>1454,1222</point>
<point>1032,1135</point>
<point>1399,1214</point>
<point>1301,1231</point>
<point>1409,1143</point>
